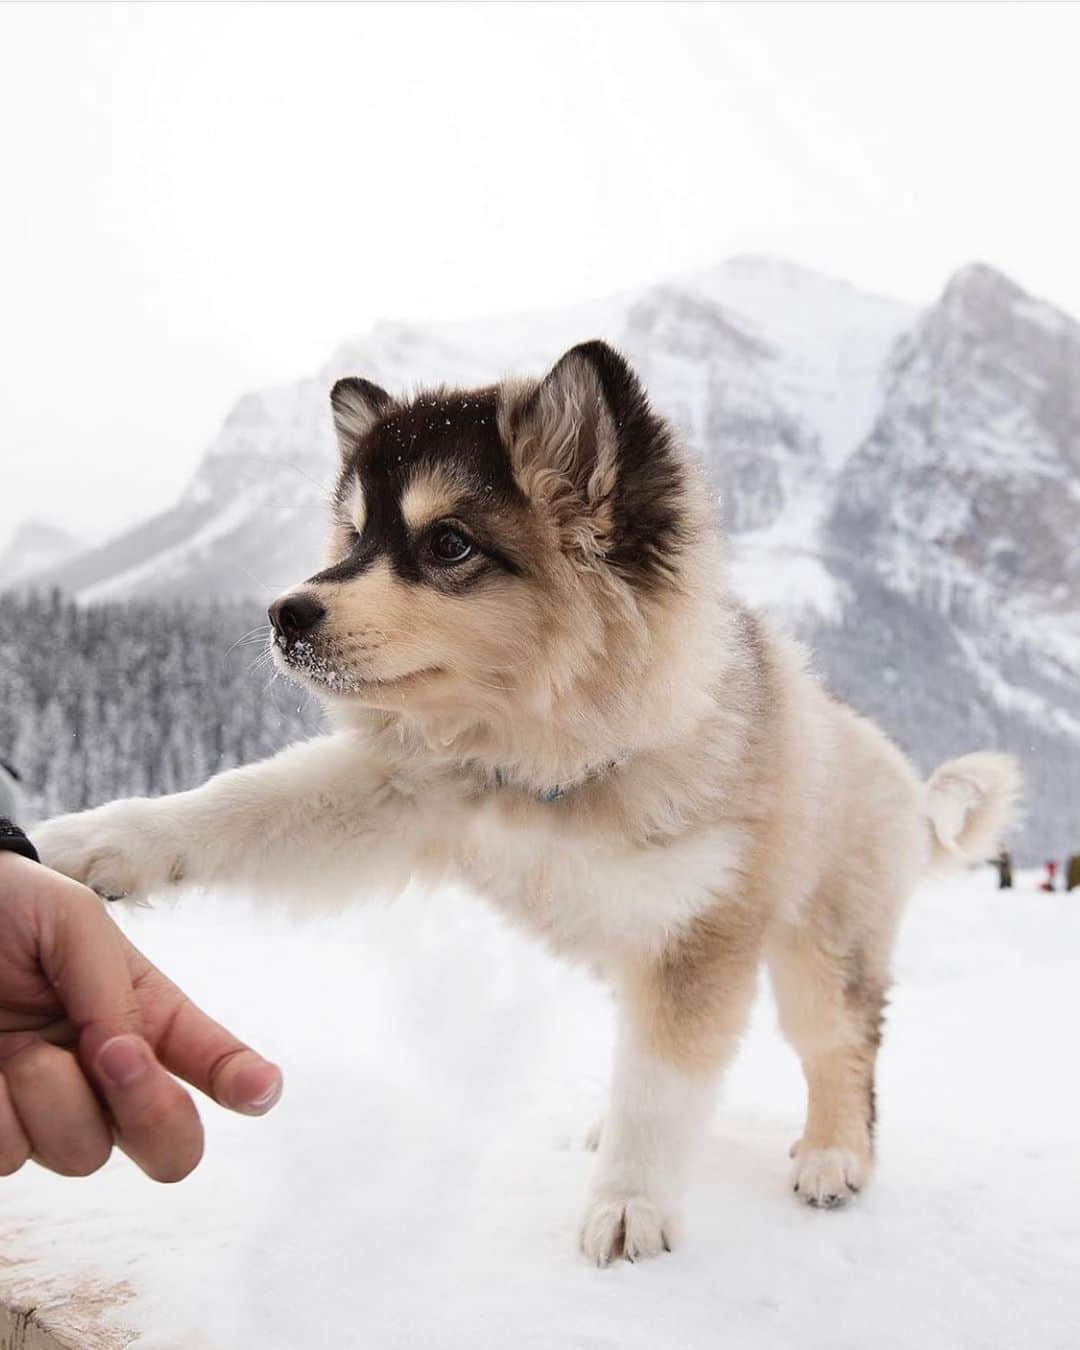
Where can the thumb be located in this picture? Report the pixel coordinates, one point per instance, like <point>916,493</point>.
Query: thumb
<point>84,956</point>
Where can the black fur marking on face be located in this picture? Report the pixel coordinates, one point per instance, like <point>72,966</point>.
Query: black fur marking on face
<point>456,432</point>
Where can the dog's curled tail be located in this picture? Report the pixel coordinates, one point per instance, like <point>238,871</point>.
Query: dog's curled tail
<point>970,801</point>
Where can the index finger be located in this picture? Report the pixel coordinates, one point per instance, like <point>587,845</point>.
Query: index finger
<point>202,1051</point>
<point>157,1125</point>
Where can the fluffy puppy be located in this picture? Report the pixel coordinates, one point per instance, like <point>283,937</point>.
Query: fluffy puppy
<point>543,686</point>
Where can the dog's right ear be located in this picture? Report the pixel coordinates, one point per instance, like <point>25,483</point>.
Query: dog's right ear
<point>358,405</point>
<point>589,451</point>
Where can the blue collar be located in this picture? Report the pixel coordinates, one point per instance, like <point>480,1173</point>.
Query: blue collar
<point>548,796</point>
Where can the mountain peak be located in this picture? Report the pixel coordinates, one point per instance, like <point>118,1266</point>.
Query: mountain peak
<point>44,532</point>
<point>772,266</point>
<point>770,270</point>
<point>35,545</point>
<point>980,280</point>
<point>985,297</point>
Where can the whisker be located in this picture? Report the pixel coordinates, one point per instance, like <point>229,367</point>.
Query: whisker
<point>259,634</point>
<point>262,660</point>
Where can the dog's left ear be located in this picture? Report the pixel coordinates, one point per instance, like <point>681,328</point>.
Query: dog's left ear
<point>587,446</point>
<point>358,405</point>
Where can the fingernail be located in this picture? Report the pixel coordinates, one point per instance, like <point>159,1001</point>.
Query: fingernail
<point>267,1098</point>
<point>123,1061</point>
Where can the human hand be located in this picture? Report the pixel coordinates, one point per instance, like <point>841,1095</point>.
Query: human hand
<point>90,1035</point>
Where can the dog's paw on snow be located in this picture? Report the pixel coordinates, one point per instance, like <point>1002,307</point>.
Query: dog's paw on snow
<point>826,1178</point>
<point>626,1228</point>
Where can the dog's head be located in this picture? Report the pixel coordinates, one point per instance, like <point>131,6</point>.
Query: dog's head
<point>490,548</point>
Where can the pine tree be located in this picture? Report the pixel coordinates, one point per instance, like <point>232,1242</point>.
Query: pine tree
<point>132,699</point>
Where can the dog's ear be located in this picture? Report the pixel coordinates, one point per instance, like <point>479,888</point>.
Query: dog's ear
<point>566,438</point>
<point>358,405</point>
<point>587,446</point>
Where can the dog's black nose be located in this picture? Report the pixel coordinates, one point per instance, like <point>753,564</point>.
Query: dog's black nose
<point>294,616</point>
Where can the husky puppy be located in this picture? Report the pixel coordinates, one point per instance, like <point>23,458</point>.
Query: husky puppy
<point>543,686</point>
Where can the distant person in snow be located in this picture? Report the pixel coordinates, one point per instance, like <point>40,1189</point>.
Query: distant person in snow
<point>1072,873</point>
<point>1003,863</point>
<point>91,1035</point>
<point>1049,882</point>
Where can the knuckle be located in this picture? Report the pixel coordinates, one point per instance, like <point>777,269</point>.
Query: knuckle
<point>149,1107</point>
<point>146,1118</point>
<point>222,1067</point>
<point>26,1063</point>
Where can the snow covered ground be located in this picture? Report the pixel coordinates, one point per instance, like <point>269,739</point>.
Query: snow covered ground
<point>420,1183</point>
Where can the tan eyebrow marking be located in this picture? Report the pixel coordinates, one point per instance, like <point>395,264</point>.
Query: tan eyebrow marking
<point>431,495</point>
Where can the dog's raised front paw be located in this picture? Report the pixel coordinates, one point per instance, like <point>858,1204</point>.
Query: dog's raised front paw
<point>113,849</point>
<point>827,1178</point>
<point>626,1227</point>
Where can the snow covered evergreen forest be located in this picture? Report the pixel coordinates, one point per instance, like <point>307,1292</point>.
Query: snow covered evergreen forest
<point>135,698</point>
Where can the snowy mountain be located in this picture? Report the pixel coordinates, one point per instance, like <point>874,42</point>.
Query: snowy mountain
<point>35,547</point>
<point>771,371</point>
<point>977,442</point>
<point>902,487</point>
<point>956,531</point>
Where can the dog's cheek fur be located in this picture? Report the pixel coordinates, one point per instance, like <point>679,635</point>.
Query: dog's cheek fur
<point>380,627</point>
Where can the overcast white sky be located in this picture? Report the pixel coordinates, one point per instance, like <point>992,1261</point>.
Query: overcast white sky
<point>199,199</point>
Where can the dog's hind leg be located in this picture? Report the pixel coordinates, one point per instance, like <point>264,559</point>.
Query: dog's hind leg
<point>830,1000</point>
<point>680,1018</point>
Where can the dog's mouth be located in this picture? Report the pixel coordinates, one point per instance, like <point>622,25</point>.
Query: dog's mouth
<point>301,660</point>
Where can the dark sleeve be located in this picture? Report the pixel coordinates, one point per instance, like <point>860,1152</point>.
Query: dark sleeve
<point>12,840</point>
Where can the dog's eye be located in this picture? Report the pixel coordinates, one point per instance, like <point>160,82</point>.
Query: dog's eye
<point>448,546</point>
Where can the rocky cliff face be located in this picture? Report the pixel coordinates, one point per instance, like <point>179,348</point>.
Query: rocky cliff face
<point>956,528</point>
<point>967,490</point>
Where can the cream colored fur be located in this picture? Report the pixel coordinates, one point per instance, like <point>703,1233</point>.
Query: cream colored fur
<point>718,809</point>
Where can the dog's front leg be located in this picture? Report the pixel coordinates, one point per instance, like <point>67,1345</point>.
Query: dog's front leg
<point>317,818</point>
<point>680,1018</point>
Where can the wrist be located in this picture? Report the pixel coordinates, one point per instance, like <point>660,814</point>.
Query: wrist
<point>18,874</point>
<point>13,840</point>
